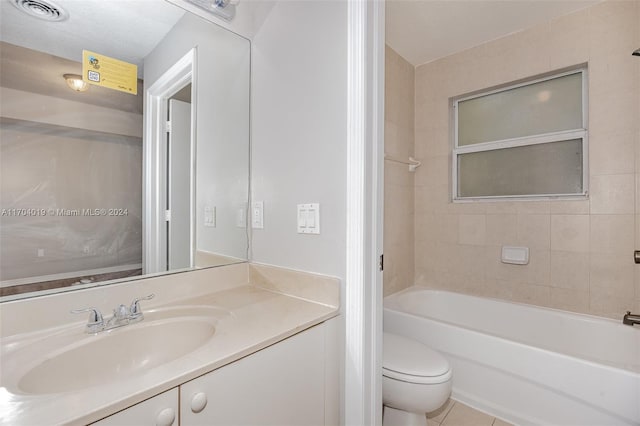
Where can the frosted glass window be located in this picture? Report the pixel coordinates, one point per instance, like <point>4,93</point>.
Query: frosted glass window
<point>543,169</point>
<point>545,107</point>
<point>526,140</point>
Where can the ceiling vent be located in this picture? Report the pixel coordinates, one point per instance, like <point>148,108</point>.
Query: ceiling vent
<point>41,9</point>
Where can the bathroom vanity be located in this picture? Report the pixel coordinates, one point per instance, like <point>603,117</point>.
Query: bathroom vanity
<point>250,344</point>
<point>281,384</point>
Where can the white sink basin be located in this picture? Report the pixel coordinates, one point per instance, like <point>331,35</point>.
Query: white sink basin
<point>118,354</point>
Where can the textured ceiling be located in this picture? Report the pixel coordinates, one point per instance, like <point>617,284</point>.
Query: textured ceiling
<point>125,29</point>
<point>424,30</point>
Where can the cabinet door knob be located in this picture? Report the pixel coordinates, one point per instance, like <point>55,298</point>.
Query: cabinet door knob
<point>198,402</point>
<point>166,417</point>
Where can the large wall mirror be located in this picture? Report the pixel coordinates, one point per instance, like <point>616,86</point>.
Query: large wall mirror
<point>99,184</point>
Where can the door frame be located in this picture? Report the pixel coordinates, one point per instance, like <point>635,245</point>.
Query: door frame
<point>154,240</point>
<point>365,208</point>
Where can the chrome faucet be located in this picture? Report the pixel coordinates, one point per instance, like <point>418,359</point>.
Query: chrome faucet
<point>119,318</point>
<point>96,322</point>
<point>631,319</point>
<point>122,315</point>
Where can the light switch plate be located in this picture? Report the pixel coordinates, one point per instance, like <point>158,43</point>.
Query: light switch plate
<point>309,218</point>
<point>241,217</point>
<point>210,216</point>
<point>257,215</point>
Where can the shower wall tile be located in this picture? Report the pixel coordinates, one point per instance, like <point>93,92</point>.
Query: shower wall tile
<point>534,231</point>
<point>637,207</point>
<point>611,234</point>
<point>465,208</point>
<point>569,271</point>
<point>570,45</point>
<point>612,153</point>
<point>580,250</point>
<point>637,139</point>
<point>604,302</point>
<point>472,229</point>
<point>570,207</point>
<point>570,233</point>
<point>613,274</point>
<point>501,229</point>
<point>613,27</point>
<point>532,294</point>
<point>613,194</point>
<point>504,207</point>
<point>569,300</point>
<point>437,228</point>
<point>614,106</point>
<point>399,230</point>
<point>496,288</point>
<point>534,207</point>
<point>434,169</point>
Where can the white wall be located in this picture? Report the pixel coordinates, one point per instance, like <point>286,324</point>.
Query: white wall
<point>299,130</point>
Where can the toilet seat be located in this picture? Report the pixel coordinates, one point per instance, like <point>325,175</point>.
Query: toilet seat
<point>412,362</point>
<point>419,380</point>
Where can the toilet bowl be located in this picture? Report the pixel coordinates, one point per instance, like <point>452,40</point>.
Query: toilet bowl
<point>415,381</point>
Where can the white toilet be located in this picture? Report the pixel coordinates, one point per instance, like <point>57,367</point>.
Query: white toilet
<point>415,381</point>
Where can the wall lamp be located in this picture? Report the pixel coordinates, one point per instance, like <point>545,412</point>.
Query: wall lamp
<point>75,82</point>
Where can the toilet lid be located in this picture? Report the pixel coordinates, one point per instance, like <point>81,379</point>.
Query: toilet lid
<point>409,357</point>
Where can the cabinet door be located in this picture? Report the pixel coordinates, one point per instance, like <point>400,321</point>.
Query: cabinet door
<point>279,385</point>
<point>161,410</point>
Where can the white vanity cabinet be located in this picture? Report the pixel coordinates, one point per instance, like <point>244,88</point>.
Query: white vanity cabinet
<point>292,382</point>
<point>161,410</point>
<point>283,384</point>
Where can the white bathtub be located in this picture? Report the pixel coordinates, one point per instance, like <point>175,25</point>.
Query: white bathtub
<point>526,364</point>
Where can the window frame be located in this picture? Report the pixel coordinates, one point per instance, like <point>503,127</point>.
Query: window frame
<point>542,138</point>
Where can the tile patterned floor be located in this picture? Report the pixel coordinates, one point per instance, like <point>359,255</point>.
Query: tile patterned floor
<point>455,413</point>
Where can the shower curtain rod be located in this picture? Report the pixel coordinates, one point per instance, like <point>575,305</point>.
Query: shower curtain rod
<point>412,163</point>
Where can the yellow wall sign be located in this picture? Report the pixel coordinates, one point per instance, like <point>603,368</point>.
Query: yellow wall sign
<point>108,72</point>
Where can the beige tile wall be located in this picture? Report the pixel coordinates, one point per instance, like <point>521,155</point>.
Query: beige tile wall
<point>581,251</point>
<point>398,181</point>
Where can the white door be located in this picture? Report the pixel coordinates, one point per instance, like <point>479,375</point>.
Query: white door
<point>179,198</point>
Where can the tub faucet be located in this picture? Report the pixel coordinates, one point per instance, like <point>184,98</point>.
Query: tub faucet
<point>631,319</point>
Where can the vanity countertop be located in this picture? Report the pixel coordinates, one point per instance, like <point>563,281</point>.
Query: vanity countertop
<point>250,318</point>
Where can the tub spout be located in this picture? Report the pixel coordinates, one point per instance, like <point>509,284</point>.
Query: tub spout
<point>631,319</point>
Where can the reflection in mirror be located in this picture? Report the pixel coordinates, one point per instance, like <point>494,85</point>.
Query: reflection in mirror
<point>86,195</point>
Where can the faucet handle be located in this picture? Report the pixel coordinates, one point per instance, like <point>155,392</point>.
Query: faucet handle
<point>135,312</point>
<point>96,322</point>
<point>121,312</point>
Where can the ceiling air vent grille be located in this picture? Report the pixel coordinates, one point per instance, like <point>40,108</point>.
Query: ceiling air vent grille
<point>41,9</point>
